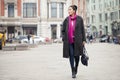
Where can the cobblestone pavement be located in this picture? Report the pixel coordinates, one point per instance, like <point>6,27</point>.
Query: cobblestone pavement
<point>45,62</point>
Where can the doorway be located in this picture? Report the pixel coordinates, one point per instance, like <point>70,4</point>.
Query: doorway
<point>54,31</point>
<point>11,32</point>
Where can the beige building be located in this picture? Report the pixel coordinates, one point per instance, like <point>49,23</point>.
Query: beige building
<point>103,17</point>
<point>39,17</point>
<point>53,16</point>
<point>20,17</point>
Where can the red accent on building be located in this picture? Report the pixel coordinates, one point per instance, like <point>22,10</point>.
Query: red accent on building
<point>38,7</point>
<point>19,7</point>
<point>2,7</point>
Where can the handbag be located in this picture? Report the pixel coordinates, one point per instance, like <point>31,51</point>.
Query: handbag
<point>84,57</point>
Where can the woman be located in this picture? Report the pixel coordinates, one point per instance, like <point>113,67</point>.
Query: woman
<point>73,36</point>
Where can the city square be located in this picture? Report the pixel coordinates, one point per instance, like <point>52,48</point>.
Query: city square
<point>32,33</point>
<point>45,62</point>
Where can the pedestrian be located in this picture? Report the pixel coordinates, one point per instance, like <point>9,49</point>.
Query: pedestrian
<point>28,38</point>
<point>91,38</point>
<point>73,36</point>
<point>88,41</point>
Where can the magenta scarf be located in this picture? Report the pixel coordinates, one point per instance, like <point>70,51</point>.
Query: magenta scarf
<point>71,29</point>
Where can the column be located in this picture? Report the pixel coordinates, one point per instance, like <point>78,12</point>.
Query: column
<point>58,30</point>
<point>15,9</point>
<point>38,29</point>
<point>58,10</point>
<point>6,9</point>
<point>49,10</point>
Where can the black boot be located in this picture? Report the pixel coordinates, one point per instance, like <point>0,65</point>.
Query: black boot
<point>73,73</point>
<point>77,58</point>
<point>76,70</point>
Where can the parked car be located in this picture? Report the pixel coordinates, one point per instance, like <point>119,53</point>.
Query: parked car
<point>34,39</point>
<point>115,40</point>
<point>118,36</point>
<point>58,40</point>
<point>19,38</point>
<point>103,38</point>
<point>38,39</point>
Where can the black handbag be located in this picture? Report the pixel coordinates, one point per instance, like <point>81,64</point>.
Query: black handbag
<point>84,57</point>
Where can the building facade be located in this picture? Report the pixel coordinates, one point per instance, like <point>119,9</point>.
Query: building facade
<point>81,4</point>
<point>20,17</point>
<point>37,17</point>
<point>103,17</point>
<point>53,16</point>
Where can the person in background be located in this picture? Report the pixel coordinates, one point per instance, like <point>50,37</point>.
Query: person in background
<point>28,38</point>
<point>73,36</point>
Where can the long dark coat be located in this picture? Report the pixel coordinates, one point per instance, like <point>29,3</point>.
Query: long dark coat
<point>79,36</point>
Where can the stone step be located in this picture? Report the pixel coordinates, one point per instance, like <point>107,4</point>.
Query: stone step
<point>8,48</point>
<point>21,47</point>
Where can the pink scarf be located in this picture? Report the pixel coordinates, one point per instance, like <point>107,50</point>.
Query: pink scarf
<point>71,28</point>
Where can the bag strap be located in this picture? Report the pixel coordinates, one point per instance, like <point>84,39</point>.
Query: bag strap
<point>85,51</point>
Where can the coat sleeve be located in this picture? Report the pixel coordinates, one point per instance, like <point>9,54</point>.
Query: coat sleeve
<point>83,30</point>
<point>63,29</point>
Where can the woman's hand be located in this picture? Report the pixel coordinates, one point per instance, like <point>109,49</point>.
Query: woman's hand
<point>84,43</point>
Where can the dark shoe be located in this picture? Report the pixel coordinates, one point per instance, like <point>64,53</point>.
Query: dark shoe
<point>75,70</point>
<point>73,73</point>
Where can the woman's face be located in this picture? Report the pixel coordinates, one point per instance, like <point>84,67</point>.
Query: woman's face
<point>71,11</point>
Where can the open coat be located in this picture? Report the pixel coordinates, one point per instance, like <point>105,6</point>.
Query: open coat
<point>79,37</point>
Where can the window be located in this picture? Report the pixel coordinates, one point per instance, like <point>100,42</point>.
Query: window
<point>54,31</point>
<point>10,10</point>
<point>88,20</point>
<point>119,14</point>
<point>116,15</point>
<point>47,10</point>
<point>94,7</point>
<point>61,10</point>
<point>119,2</point>
<point>116,2</point>
<point>105,5</point>
<point>93,1</point>
<point>100,17</point>
<point>29,10</point>
<point>54,10</point>
<point>106,17</point>
<point>100,6</point>
<point>112,16</point>
<point>112,3</point>
<point>93,18</point>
